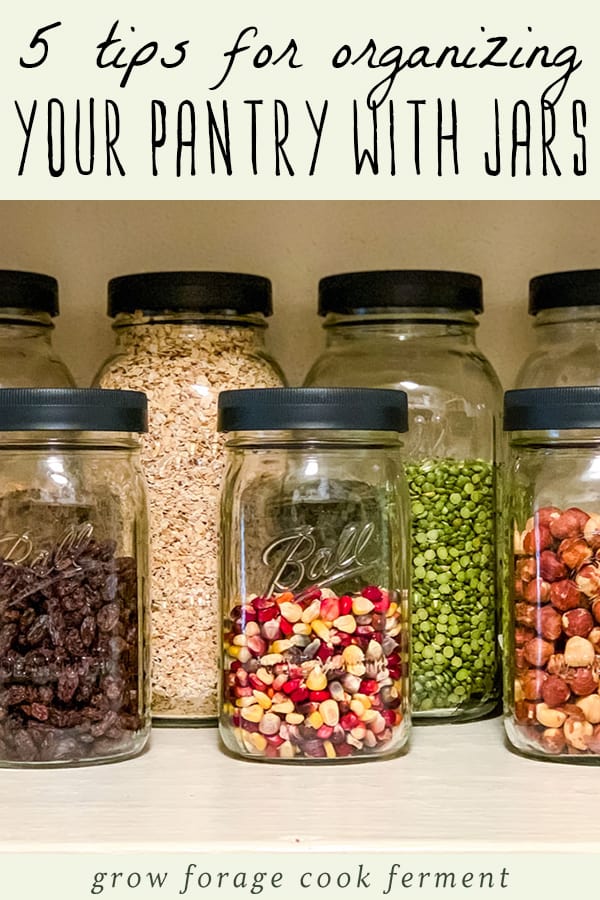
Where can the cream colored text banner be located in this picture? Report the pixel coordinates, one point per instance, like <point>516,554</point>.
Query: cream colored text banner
<point>327,99</point>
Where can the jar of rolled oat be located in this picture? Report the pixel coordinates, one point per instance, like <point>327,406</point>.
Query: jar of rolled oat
<point>182,337</point>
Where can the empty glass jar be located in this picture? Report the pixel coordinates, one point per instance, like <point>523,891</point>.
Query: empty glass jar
<point>566,307</point>
<point>552,611</point>
<point>28,303</point>
<point>314,574</point>
<point>415,330</point>
<point>74,617</point>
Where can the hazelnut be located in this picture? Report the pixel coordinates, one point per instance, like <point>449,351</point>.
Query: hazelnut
<point>594,639</point>
<point>532,683</point>
<point>520,661</point>
<point>555,691</point>
<point>591,531</point>
<point>522,635</point>
<point>536,591</point>
<point>596,610</point>
<point>550,566</point>
<point>526,569</point>
<point>548,717</point>
<point>526,615</point>
<point>578,652</point>
<point>588,580</point>
<point>594,742</point>
<point>569,524</point>
<point>556,664</point>
<point>591,708</point>
<point>525,712</point>
<point>573,711</point>
<point>518,587</point>
<point>550,623</point>
<point>538,651</point>
<point>518,691</point>
<point>547,514</point>
<point>577,733</point>
<point>537,540</point>
<point>574,552</point>
<point>582,682</point>
<point>565,595</point>
<point>577,622</point>
<point>553,740</point>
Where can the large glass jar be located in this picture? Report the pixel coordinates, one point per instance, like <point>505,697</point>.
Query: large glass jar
<point>28,303</point>
<point>182,337</point>
<point>552,613</point>
<point>314,574</point>
<point>415,330</point>
<point>74,641</point>
<point>566,307</point>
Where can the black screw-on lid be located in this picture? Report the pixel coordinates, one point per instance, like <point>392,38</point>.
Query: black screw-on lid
<point>557,289</point>
<point>72,409</point>
<point>356,292</point>
<point>193,291</point>
<point>28,290</point>
<point>350,409</point>
<point>545,409</point>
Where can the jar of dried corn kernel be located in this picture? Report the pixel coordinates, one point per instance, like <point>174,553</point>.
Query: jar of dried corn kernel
<point>313,577</point>
<point>182,337</point>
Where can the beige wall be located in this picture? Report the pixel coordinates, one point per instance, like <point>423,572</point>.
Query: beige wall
<point>85,243</point>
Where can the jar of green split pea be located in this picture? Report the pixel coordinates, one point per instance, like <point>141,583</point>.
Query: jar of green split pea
<point>415,331</point>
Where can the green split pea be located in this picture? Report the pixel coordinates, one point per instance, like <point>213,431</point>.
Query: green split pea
<point>453,586</point>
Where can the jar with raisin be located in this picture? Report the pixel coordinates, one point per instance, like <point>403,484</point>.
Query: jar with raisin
<point>74,649</point>
<point>315,553</point>
<point>552,611</point>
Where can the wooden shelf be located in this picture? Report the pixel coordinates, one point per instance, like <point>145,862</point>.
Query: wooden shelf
<point>458,788</point>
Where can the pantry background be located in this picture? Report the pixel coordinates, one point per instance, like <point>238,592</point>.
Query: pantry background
<point>83,244</point>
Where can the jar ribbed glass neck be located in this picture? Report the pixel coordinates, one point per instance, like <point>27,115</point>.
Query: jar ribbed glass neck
<point>49,441</point>
<point>313,439</point>
<point>555,439</point>
<point>402,323</point>
<point>164,331</point>
<point>38,322</point>
<point>568,315</point>
<point>219,318</point>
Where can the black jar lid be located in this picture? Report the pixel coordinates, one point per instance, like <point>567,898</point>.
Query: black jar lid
<point>580,287</point>
<point>348,409</point>
<point>28,290</point>
<point>72,409</point>
<point>190,291</point>
<point>356,292</point>
<point>550,409</point>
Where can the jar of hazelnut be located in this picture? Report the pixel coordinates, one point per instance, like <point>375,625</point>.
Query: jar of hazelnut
<point>552,601</point>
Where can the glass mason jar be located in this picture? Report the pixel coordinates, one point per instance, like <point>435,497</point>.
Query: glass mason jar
<point>74,641</point>
<point>552,603</point>
<point>182,337</point>
<point>28,303</point>
<point>415,330</point>
<point>314,574</point>
<point>566,307</point>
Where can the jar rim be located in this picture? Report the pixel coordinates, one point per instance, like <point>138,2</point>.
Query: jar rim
<point>313,408</point>
<point>72,409</point>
